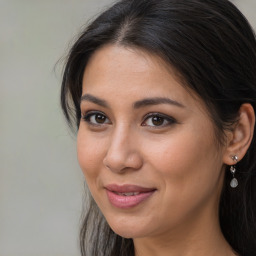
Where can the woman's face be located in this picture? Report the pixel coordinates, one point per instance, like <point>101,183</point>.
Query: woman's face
<point>146,146</point>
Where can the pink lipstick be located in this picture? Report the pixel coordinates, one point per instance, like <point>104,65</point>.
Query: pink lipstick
<point>127,196</point>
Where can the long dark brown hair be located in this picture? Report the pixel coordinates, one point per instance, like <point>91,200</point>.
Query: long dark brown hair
<point>212,46</point>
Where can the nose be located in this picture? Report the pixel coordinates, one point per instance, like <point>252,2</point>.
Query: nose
<point>123,153</point>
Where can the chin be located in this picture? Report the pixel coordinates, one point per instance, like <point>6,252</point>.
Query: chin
<point>128,233</point>
<point>127,230</point>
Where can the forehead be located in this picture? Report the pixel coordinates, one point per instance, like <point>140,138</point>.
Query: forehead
<point>118,72</point>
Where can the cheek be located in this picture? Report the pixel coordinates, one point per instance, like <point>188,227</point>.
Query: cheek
<point>186,162</point>
<point>90,155</point>
<point>187,170</point>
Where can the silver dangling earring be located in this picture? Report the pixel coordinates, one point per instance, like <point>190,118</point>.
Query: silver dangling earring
<point>234,182</point>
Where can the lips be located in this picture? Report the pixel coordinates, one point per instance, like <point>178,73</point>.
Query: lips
<point>127,196</point>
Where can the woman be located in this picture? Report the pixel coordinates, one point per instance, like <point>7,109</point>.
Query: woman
<point>163,94</point>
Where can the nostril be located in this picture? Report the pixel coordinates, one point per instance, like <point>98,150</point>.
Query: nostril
<point>131,161</point>
<point>113,164</point>
<point>107,167</point>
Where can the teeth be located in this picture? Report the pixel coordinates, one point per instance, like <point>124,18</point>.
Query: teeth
<point>128,194</point>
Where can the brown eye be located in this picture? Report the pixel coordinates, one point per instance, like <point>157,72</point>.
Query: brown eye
<point>100,119</point>
<point>96,118</point>
<point>158,120</point>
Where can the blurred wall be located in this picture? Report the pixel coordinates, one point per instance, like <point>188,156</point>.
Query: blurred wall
<point>41,185</point>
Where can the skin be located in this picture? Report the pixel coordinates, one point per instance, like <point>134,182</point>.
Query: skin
<point>178,156</point>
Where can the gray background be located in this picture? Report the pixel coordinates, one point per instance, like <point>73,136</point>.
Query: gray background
<point>41,185</point>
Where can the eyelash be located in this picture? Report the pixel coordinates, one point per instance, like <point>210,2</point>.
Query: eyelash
<point>167,120</point>
<point>90,114</point>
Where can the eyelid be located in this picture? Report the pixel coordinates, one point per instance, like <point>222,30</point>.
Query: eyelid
<point>85,116</point>
<point>169,119</point>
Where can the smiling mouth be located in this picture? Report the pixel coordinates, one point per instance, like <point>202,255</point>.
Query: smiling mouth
<point>128,196</point>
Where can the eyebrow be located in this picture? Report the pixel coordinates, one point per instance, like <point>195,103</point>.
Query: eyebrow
<point>137,104</point>
<point>156,101</point>
<point>93,99</point>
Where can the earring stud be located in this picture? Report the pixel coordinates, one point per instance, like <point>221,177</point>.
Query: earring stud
<point>235,158</point>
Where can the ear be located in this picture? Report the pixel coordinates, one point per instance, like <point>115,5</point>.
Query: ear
<point>239,139</point>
